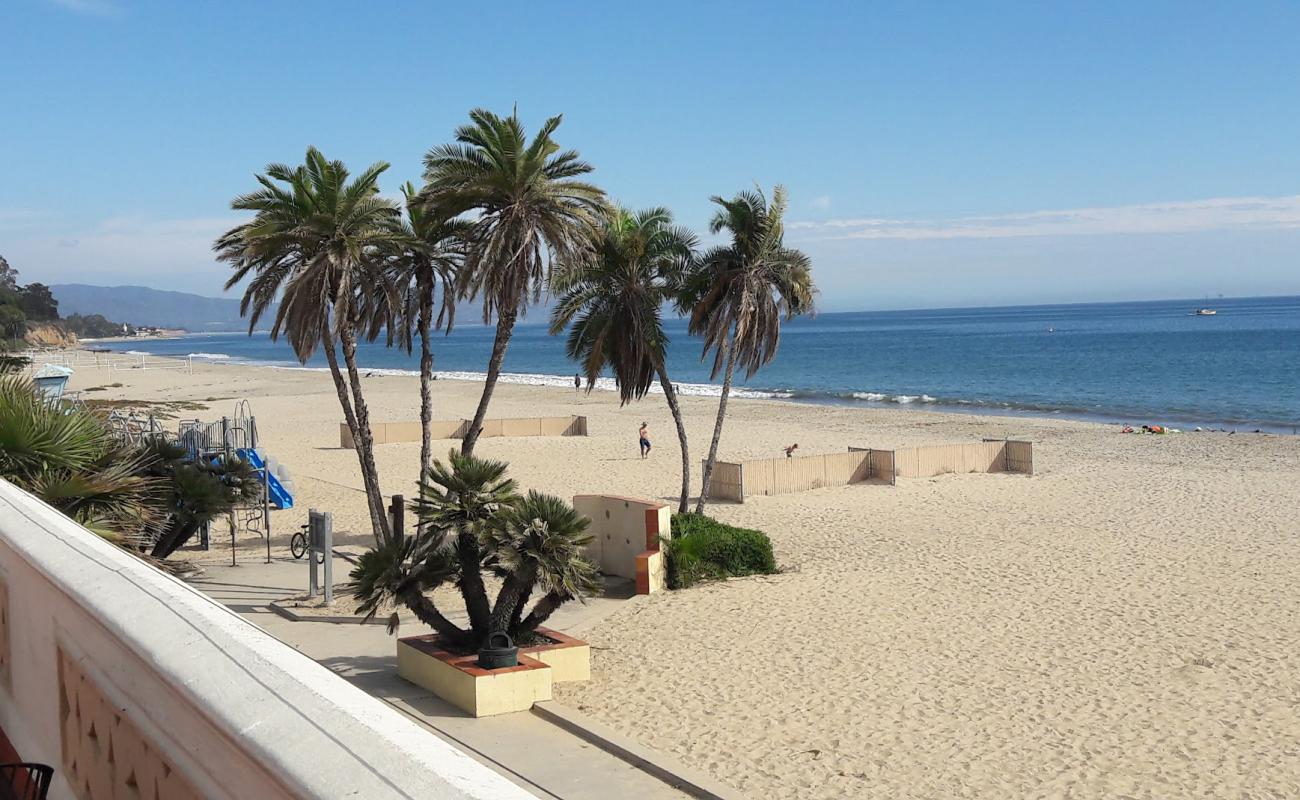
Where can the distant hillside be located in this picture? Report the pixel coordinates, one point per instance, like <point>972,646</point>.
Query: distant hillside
<point>140,305</point>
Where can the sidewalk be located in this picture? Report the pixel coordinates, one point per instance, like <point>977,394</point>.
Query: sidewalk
<point>525,748</point>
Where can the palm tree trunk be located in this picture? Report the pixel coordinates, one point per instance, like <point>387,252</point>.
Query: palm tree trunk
<point>717,426</point>
<point>425,611</point>
<point>332,357</point>
<point>505,328</point>
<point>513,589</point>
<point>471,584</point>
<point>670,393</point>
<point>426,375</point>
<point>365,445</point>
<point>541,612</point>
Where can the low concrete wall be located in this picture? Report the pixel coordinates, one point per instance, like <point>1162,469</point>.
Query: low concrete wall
<point>390,432</point>
<point>626,533</point>
<point>132,684</point>
<point>738,480</point>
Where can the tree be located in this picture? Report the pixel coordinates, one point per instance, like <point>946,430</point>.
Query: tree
<point>316,238</point>
<point>8,276</point>
<point>194,492</point>
<point>529,212</point>
<point>428,255</point>
<point>533,543</point>
<point>738,293</point>
<point>613,299</point>
<point>69,458</point>
<point>13,322</point>
<point>38,302</point>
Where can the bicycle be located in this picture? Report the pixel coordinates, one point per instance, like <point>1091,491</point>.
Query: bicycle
<point>298,544</point>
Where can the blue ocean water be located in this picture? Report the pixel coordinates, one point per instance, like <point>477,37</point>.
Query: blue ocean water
<point>1137,362</point>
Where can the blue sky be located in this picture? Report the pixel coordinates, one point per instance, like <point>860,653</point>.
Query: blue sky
<point>936,154</point>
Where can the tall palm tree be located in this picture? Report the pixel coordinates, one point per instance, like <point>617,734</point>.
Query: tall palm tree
<point>314,240</point>
<point>529,212</point>
<point>428,255</point>
<point>738,293</point>
<point>614,299</point>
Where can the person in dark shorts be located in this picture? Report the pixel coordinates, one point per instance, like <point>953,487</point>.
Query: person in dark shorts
<point>645,440</point>
<point>577,381</point>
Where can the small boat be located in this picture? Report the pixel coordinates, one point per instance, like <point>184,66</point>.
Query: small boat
<point>1205,312</point>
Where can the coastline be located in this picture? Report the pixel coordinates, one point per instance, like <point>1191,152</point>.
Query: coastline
<point>1078,632</point>
<point>921,402</point>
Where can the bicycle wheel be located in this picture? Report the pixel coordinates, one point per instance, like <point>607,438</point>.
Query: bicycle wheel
<point>298,545</point>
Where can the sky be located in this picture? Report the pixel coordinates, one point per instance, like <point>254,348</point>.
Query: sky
<point>936,154</point>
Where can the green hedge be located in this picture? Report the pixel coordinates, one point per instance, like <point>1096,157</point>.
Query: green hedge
<point>704,549</point>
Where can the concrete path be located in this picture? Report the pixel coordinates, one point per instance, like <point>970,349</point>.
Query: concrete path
<point>525,748</point>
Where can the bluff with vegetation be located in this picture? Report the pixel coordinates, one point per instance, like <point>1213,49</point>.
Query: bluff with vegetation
<point>30,315</point>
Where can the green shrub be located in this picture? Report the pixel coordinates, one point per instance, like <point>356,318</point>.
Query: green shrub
<point>704,549</point>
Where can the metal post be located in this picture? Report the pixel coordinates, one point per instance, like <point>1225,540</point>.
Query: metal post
<point>266,507</point>
<point>313,529</point>
<point>327,542</point>
<point>397,515</point>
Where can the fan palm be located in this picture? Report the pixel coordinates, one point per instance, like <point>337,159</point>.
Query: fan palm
<point>196,492</point>
<point>69,459</point>
<point>315,239</point>
<point>529,212</point>
<point>428,254</point>
<point>614,298</point>
<point>737,294</point>
<point>533,543</point>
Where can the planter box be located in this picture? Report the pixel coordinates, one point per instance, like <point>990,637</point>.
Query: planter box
<point>482,692</point>
<point>568,658</point>
<point>459,681</point>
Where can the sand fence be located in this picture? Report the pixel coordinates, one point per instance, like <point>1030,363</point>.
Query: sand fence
<point>390,432</point>
<point>736,480</point>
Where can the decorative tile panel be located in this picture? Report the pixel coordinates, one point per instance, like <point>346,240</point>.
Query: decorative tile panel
<point>105,756</point>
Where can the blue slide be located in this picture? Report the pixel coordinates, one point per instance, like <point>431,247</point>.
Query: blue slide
<point>281,497</point>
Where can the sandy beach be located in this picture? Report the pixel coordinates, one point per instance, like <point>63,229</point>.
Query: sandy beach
<point>1126,623</point>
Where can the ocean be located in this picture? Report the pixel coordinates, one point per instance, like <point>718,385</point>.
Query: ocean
<point>1139,362</point>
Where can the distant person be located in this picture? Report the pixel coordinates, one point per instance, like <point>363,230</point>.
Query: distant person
<point>789,451</point>
<point>577,381</point>
<point>644,433</point>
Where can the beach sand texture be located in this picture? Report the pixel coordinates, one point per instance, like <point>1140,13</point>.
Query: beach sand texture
<point>1124,624</point>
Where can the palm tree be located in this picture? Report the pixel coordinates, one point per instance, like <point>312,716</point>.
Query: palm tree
<point>737,294</point>
<point>530,211</point>
<point>315,240</point>
<point>69,459</point>
<point>429,254</point>
<point>531,543</point>
<point>614,298</point>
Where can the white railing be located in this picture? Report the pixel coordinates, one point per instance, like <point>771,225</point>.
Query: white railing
<point>82,359</point>
<point>125,679</point>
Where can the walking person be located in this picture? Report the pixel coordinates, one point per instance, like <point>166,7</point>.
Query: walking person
<point>577,381</point>
<point>645,440</point>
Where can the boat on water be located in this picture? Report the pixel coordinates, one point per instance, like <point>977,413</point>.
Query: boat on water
<point>1206,312</point>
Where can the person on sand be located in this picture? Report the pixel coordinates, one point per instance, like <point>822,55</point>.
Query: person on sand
<point>789,451</point>
<point>645,440</point>
<point>577,381</point>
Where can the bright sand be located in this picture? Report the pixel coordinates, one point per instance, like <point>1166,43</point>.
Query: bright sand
<point>1126,623</point>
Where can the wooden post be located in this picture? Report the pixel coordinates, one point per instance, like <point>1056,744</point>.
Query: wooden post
<point>397,515</point>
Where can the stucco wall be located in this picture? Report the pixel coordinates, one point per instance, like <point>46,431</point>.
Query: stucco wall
<point>104,648</point>
<point>626,533</point>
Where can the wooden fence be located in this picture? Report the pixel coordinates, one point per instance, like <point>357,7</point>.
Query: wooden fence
<point>737,480</point>
<point>389,432</point>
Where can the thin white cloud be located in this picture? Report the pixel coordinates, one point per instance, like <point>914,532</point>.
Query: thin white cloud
<point>1215,214</point>
<point>822,201</point>
<point>165,253</point>
<point>97,8</point>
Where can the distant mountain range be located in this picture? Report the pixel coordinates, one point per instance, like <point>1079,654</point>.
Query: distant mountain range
<point>140,305</point>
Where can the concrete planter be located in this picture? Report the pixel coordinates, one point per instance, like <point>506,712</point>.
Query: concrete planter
<point>483,693</point>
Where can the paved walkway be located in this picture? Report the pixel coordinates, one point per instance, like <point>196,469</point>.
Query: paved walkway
<point>530,751</point>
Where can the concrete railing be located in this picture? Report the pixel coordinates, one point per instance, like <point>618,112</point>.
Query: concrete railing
<point>132,684</point>
<point>389,432</point>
